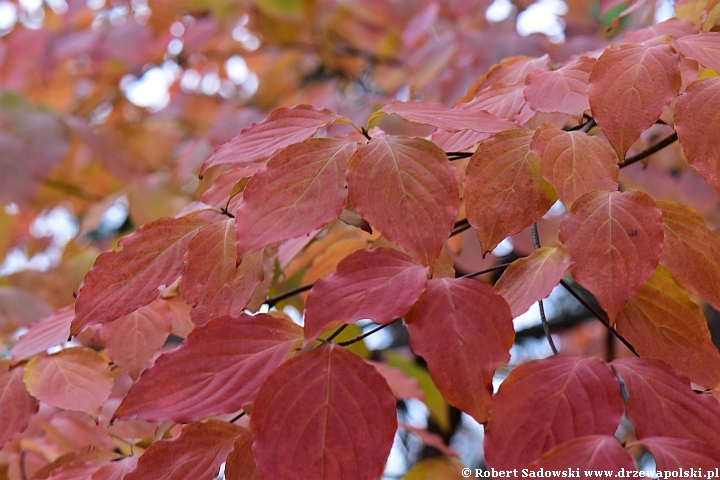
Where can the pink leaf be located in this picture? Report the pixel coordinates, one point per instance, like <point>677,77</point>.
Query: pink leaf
<point>703,48</point>
<point>17,406</point>
<point>43,334</point>
<point>563,90</point>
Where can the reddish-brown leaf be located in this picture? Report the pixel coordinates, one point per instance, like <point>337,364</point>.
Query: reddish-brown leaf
<point>212,282</point>
<point>563,90</point>
<point>662,322</point>
<point>380,284</point>
<point>132,341</point>
<point>675,453</point>
<point>702,47</point>
<point>574,162</point>
<point>615,239</point>
<point>283,127</point>
<point>73,379</point>
<point>691,251</point>
<point>463,329</point>
<point>449,119</point>
<point>17,406</point>
<point>240,464</point>
<point>325,414</point>
<point>630,85</point>
<point>196,454</point>
<point>217,369</point>
<point>121,282</point>
<point>532,278</point>
<point>503,100</point>
<point>407,189</point>
<point>547,402</point>
<point>43,334</point>
<point>504,191</point>
<point>302,189</point>
<point>697,120</point>
<point>591,452</point>
<point>677,411</point>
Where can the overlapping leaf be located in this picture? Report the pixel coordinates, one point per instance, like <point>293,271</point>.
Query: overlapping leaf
<point>217,369</point>
<point>504,191</point>
<point>302,189</point>
<point>463,329</point>
<point>325,414</point>
<point>197,453</point>
<point>691,251</point>
<point>17,406</point>
<point>702,47</point>
<point>652,386</point>
<point>407,189</point>
<point>671,454</point>
<point>240,464</point>
<point>73,379</point>
<point>662,322</point>
<point>283,127</point>
<point>121,282</point>
<point>380,284</point>
<point>578,397</point>
<point>563,90</point>
<point>630,85</point>
<point>532,278</point>
<point>615,239</point>
<point>45,333</point>
<point>591,452</point>
<point>212,282</point>
<point>697,119</point>
<point>574,162</point>
<point>500,99</point>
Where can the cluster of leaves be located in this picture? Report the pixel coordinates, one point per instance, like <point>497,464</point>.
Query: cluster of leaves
<point>347,215</point>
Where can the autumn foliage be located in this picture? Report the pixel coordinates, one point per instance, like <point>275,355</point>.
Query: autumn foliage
<point>384,152</point>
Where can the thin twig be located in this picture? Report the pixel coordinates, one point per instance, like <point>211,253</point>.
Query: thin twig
<point>237,417</point>
<point>597,315</point>
<point>543,318</point>
<point>486,270</point>
<point>460,223</point>
<point>365,133</point>
<point>366,334</point>
<point>669,140</point>
<point>272,301</point>
<point>588,125</point>
<point>459,229</point>
<point>458,155</point>
<point>335,333</point>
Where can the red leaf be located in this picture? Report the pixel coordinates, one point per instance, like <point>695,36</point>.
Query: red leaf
<point>463,329</point>
<point>615,239</point>
<point>401,385</point>
<point>302,189</point>
<point>325,414</point>
<point>407,189</point>
<point>697,119</point>
<point>73,379</point>
<point>589,452</point>
<point>691,251</point>
<point>217,369</point>
<point>121,282</point>
<point>449,119</point>
<point>504,192</point>
<point>662,322</point>
<point>677,411</point>
<point>212,281</point>
<point>574,162</point>
<point>240,464</point>
<point>132,341</point>
<point>532,278</point>
<point>563,90</point>
<point>380,284</point>
<point>675,453</point>
<point>630,85</point>
<point>703,48</point>
<point>196,453</point>
<point>17,406</point>
<point>578,397</point>
<point>43,334</point>
<point>283,127</point>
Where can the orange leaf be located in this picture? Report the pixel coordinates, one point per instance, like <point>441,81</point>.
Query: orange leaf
<point>72,379</point>
<point>407,189</point>
<point>532,278</point>
<point>615,239</point>
<point>504,192</point>
<point>630,85</point>
<point>579,396</point>
<point>463,329</point>
<point>563,90</point>
<point>310,421</point>
<point>574,162</point>
<point>697,120</point>
<point>17,406</point>
<point>661,322</point>
<point>589,452</point>
<point>240,464</point>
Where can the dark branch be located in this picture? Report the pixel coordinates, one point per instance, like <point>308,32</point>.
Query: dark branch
<point>335,333</point>
<point>541,306</point>
<point>487,270</point>
<point>669,140</point>
<point>237,417</point>
<point>458,155</point>
<point>272,301</point>
<point>366,334</point>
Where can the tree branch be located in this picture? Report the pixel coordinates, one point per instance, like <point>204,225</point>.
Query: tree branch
<point>669,140</point>
<point>458,155</point>
<point>541,306</point>
<point>272,301</point>
<point>366,334</point>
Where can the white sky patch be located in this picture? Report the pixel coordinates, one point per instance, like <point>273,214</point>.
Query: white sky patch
<point>498,11</point>
<point>8,17</point>
<point>543,17</point>
<point>150,90</point>
<point>504,248</point>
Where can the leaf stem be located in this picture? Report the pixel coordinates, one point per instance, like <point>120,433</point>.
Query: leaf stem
<point>366,334</point>
<point>486,270</point>
<point>272,301</point>
<point>670,139</point>
<point>541,306</point>
<point>365,133</point>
